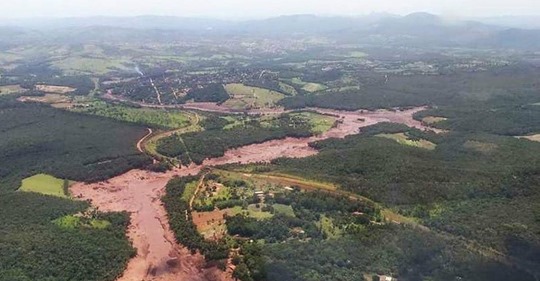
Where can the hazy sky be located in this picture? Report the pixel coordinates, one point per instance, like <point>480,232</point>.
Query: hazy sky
<point>262,8</point>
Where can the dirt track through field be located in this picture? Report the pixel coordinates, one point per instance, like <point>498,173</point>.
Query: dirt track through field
<point>141,141</point>
<point>159,257</point>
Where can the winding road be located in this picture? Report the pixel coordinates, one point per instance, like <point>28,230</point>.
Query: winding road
<point>141,141</point>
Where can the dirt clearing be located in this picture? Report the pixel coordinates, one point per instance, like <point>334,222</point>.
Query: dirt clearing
<point>55,89</point>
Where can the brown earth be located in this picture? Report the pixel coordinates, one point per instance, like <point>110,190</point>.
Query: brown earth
<point>55,89</point>
<point>159,257</point>
<point>211,224</point>
<point>531,137</point>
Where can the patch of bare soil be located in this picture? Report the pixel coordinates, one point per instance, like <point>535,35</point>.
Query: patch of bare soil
<point>211,224</point>
<point>159,257</point>
<point>55,89</point>
<point>531,137</point>
<point>47,98</point>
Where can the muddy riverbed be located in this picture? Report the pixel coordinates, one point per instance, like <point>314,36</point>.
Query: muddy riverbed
<point>159,257</point>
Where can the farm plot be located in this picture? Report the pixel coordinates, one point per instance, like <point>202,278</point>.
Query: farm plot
<point>319,123</point>
<point>162,118</point>
<point>46,184</point>
<point>247,97</point>
<point>430,120</point>
<point>62,90</point>
<point>90,65</point>
<point>310,87</point>
<point>402,138</point>
<point>11,89</point>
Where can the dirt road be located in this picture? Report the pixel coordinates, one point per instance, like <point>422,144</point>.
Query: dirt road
<point>141,141</point>
<point>159,257</point>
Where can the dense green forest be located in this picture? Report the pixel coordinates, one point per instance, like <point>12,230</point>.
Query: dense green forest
<point>510,225</point>
<point>511,116</point>
<point>451,188</point>
<point>399,251</point>
<point>456,89</point>
<point>40,139</point>
<point>33,247</point>
<point>394,173</point>
<point>210,93</point>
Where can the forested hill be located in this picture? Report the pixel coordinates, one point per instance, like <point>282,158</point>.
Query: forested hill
<point>44,237</point>
<point>417,29</point>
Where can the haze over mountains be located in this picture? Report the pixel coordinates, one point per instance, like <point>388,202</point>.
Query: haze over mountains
<point>417,29</point>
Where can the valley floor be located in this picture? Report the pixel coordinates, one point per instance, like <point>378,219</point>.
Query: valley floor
<point>159,257</point>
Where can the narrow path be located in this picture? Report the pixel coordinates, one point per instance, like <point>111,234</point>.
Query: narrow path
<point>140,143</point>
<point>197,190</point>
<point>148,144</point>
<point>186,148</point>
<point>158,94</point>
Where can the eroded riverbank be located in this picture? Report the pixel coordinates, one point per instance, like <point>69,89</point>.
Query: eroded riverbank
<point>159,257</point>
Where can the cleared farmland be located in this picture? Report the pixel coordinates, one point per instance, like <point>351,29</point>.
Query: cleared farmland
<point>45,184</point>
<point>247,97</point>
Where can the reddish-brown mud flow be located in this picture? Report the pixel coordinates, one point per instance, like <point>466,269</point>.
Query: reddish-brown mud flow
<point>159,257</point>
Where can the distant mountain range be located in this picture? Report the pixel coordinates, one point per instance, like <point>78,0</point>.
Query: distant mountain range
<point>417,29</point>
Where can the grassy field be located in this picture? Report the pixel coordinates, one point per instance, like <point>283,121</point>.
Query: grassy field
<point>44,184</point>
<point>320,123</point>
<point>161,118</point>
<point>346,88</point>
<point>245,97</point>
<point>74,222</point>
<point>257,213</point>
<point>309,86</point>
<point>314,87</point>
<point>11,89</point>
<point>157,118</point>
<point>89,65</point>
<point>55,100</point>
<point>433,119</point>
<point>224,193</point>
<point>55,89</point>
<point>328,228</point>
<point>189,191</point>
<point>283,209</point>
<point>286,88</point>
<point>405,140</point>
